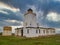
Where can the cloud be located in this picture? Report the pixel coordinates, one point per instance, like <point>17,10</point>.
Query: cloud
<point>53,16</point>
<point>9,15</point>
<point>56,0</point>
<point>6,6</point>
<point>4,12</point>
<point>14,21</point>
<point>11,23</point>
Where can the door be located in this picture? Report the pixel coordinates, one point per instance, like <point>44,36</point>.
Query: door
<point>22,32</point>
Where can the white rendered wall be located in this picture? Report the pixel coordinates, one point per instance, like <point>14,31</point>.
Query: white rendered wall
<point>32,33</point>
<point>18,32</point>
<point>30,19</point>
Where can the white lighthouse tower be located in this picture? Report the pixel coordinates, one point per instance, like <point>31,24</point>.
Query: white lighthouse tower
<point>30,19</point>
<point>30,24</point>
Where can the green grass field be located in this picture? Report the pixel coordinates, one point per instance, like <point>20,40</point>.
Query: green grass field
<point>12,40</point>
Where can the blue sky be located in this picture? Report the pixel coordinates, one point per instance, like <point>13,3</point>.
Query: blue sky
<point>12,11</point>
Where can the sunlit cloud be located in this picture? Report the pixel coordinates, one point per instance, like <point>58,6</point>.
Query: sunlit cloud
<point>5,6</point>
<point>13,21</point>
<point>53,16</point>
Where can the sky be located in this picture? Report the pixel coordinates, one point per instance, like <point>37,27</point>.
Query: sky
<point>47,11</point>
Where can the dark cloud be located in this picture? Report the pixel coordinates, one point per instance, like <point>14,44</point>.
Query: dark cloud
<point>10,15</point>
<point>46,5</point>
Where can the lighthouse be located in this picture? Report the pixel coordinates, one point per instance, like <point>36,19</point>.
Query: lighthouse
<point>30,19</point>
<point>30,24</point>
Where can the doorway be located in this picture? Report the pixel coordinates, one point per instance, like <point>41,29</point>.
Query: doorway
<point>22,32</point>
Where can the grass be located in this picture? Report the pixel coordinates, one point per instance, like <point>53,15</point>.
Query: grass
<point>12,40</point>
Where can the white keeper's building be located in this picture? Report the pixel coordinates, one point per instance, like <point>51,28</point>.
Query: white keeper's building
<point>30,27</point>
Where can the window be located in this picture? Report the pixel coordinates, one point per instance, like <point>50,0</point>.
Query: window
<point>39,30</point>
<point>28,31</point>
<point>47,31</point>
<point>26,24</point>
<point>30,23</point>
<point>53,31</point>
<point>36,31</point>
<point>43,31</point>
